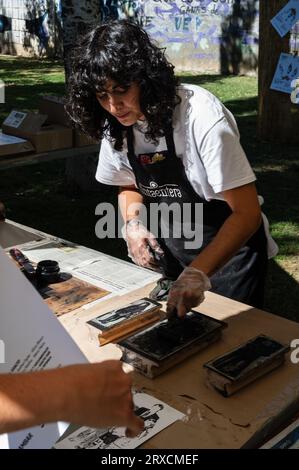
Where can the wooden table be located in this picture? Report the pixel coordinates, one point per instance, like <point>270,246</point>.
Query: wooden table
<point>212,421</point>
<point>32,158</point>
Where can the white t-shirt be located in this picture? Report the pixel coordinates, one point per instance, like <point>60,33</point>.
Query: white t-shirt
<point>206,139</point>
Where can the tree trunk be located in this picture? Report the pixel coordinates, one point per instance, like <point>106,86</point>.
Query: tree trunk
<point>77,18</point>
<point>278,116</point>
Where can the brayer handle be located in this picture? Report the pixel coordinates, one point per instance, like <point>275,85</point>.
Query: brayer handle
<point>23,262</point>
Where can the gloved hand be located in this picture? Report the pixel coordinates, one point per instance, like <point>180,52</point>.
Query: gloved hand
<point>143,247</point>
<point>187,292</point>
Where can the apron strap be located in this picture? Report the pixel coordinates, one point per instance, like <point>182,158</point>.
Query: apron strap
<point>169,141</point>
<point>130,142</point>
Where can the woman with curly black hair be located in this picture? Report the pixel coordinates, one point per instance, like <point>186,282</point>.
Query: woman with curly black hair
<point>115,54</point>
<point>173,149</point>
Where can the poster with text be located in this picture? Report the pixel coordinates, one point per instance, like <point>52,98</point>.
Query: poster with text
<point>286,17</point>
<point>287,71</point>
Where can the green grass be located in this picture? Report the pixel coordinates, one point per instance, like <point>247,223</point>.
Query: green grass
<point>241,88</point>
<point>38,196</point>
<point>26,80</point>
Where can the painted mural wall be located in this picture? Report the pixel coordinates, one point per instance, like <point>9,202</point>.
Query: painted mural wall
<point>27,27</point>
<point>199,35</point>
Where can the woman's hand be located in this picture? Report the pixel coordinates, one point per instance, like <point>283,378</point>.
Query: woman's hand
<point>101,397</point>
<point>143,247</point>
<point>187,292</point>
<point>95,395</point>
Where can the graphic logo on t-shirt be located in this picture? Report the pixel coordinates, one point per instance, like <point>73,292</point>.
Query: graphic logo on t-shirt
<point>156,191</point>
<point>151,158</point>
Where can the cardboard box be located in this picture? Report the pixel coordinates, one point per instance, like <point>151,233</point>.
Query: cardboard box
<point>22,124</point>
<point>52,137</point>
<point>10,145</point>
<point>53,107</point>
<point>32,126</point>
<point>82,140</point>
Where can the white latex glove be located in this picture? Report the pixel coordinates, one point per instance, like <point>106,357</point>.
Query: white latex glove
<point>142,244</point>
<point>187,292</point>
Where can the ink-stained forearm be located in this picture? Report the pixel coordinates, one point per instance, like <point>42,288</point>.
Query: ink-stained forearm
<point>130,202</point>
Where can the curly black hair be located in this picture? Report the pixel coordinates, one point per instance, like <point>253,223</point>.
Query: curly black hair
<point>121,51</point>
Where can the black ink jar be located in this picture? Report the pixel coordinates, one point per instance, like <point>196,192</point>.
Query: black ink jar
<point>47,272</point>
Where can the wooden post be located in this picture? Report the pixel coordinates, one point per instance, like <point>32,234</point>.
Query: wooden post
<point>278,116</point>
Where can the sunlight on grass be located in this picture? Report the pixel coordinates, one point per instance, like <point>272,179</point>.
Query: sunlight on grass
<point>285,228</point>
<point>286,235</point>
<point>225,88</point>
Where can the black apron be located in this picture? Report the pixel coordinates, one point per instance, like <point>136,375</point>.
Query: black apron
<point>161,178</point>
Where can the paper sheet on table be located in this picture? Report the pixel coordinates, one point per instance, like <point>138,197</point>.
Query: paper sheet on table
<point>156,414</point>
<point>32,339</point>
<point>68,256</point>
<point>104,271</point>
<point>115,275</point>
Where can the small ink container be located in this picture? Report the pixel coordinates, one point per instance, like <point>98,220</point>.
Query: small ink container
<point>47,272</point>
